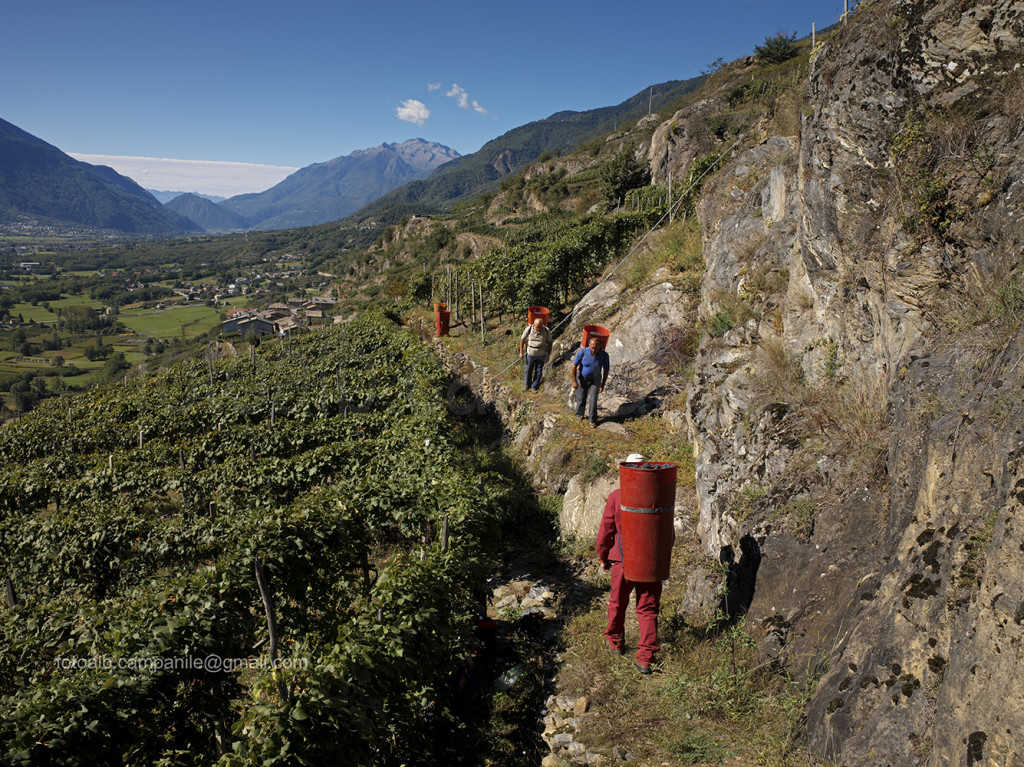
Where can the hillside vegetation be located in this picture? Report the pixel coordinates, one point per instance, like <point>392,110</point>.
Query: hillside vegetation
<point>478,173</point>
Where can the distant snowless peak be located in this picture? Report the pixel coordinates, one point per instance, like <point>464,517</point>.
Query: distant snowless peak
<point>206,177</point>
<point>166,195</point>
<point>418,152</point>
<point>423,154</point>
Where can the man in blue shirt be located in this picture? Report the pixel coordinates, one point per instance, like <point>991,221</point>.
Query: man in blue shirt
<point>589,375</point>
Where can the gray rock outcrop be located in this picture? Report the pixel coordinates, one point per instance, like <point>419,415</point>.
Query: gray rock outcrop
<point>857,405</point>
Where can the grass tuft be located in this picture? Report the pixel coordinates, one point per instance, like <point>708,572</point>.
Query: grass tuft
<point>678,248</point>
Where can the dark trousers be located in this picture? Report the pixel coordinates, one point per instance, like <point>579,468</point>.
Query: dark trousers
<point>586,398</point>
<point>534,371</point>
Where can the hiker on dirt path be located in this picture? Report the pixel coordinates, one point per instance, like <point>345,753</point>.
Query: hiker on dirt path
<point>589,375</point>
<point>648,595</point>
<point>537,341</point>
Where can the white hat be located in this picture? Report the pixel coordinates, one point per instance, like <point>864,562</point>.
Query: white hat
<point>634,458</point>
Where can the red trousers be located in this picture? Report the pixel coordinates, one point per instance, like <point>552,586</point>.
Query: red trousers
<point>648,599</point>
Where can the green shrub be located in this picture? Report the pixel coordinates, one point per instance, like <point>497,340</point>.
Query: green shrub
<point>776,48</point>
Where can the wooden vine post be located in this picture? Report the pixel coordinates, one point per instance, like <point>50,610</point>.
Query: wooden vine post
<point>365,566</point>
<point>483,322</point>
<point>670,198</point>
<point>268,609</point>
<point>184,490</point>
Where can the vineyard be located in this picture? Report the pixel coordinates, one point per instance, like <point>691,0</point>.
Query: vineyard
<point>268,558</point>
<point>557,265</point>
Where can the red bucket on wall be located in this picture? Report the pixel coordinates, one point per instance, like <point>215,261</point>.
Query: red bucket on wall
<point>441,317</point>
<point>590,331</point>
<point>648,500</point>
<point>536,312</point>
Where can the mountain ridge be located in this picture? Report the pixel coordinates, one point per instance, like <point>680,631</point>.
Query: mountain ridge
<point>206,213</point>
<point>39,181</point>
<point>473,174</point>
<point>331,190</point>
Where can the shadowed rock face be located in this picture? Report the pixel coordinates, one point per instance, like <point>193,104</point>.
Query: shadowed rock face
<point>865,248</point>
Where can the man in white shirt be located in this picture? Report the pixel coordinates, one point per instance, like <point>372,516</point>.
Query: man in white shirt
<point>536,339</point>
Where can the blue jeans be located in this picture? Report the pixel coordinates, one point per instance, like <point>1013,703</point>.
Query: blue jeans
<point>534,369</point>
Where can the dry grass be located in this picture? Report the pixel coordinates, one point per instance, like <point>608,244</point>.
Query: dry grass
<point>730,312</point>
<point>677,247</point>
<point>1013,100</point>
<point>983,320</point>
<point>780,373</point>
<point>590,453</point>
<point>844,417</point>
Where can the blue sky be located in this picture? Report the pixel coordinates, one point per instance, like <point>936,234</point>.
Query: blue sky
<point>289,84</point>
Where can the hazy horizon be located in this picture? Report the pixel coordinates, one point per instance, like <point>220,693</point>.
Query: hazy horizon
<point>221,179</point>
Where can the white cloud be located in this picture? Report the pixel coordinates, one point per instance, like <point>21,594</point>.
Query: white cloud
<point>413,111</point>
<point>458,93</point>
<point>222,179</point>
<point>433,86</point>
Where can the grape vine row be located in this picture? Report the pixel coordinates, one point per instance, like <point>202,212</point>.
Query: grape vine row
<point>130,521</point>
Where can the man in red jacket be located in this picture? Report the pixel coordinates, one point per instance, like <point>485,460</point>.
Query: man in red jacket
<point>648,595</point>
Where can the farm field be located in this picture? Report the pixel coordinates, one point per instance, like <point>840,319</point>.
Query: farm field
<point>40,314</point>
<point>174,323</point>
<point>177,321</point>
<point>13,365</point>
<point>164,324</point>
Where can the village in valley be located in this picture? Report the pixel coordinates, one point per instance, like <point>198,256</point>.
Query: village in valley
<point>280,318</point>
<point>65,327</point>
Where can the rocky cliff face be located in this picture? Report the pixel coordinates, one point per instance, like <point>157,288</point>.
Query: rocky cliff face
<point>857,405</point>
